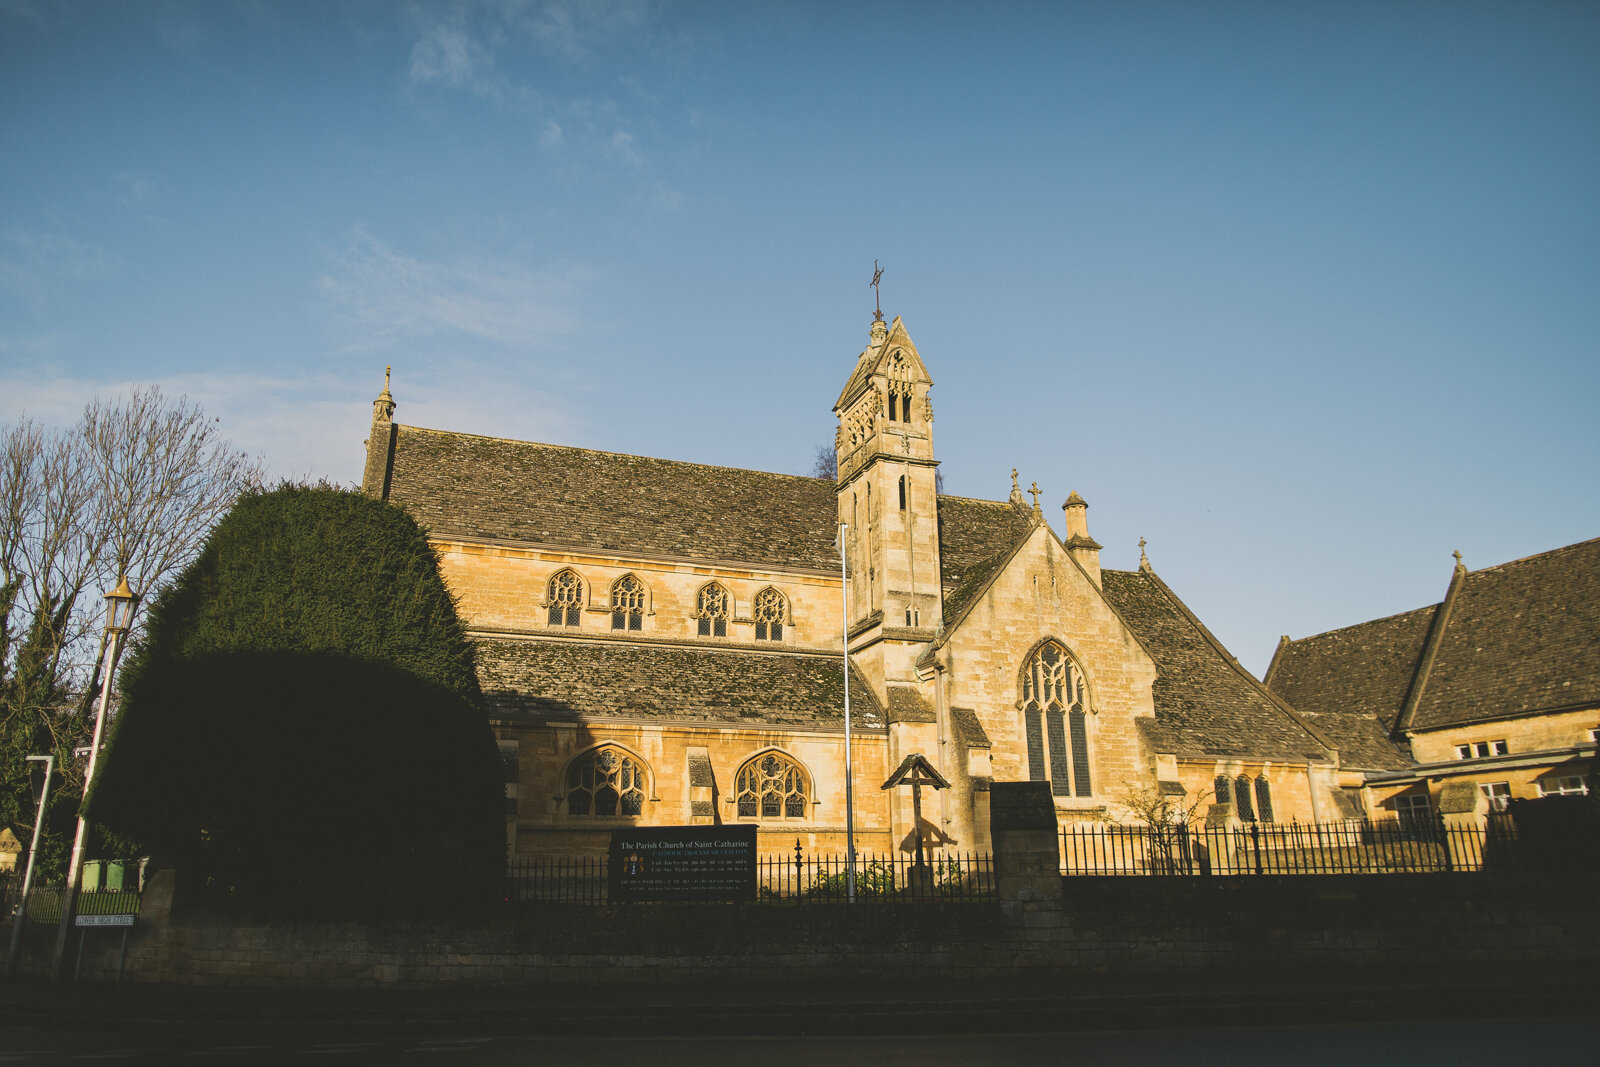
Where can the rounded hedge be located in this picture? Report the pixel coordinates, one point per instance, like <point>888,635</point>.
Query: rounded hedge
<point>301,728</point>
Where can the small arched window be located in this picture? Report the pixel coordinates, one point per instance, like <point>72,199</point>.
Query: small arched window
<point>606,781</point>
<point>771,786</point>
<point>1241,798</point>
<point>1222,790</point>
<point>1055,722</point>
<point>627,603</point>
<point>711,610</point>
<point>770,614</point>
<point>1263,798</point>
<point>902,492</point>
<point>566,599</point>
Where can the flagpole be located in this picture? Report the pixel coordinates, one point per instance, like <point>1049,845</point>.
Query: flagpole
<point>849,791</point>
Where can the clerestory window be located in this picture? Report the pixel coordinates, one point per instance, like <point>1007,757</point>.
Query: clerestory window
<point>566,599</point>
<point>771,611</point>
<point>606,781</point>
<point>1055,721</point>
<point>771,786</point>
<point>627,603</point>
<point>712,610</point>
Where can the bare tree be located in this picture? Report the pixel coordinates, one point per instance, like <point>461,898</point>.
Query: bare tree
<point>1169,813</point>
<point>131,490</point>
<point>826,466</point>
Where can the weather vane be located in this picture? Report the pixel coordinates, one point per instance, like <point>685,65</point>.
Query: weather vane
<point>877,272</point>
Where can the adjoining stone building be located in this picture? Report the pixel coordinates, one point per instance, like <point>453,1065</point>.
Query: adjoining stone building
<point>1496,686</point>
<point>661,642</point>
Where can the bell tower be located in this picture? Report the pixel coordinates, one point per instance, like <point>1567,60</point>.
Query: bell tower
<point>887,494</point>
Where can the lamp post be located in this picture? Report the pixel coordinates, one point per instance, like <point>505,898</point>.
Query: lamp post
<point>120,603</point>
<point>27,876</point>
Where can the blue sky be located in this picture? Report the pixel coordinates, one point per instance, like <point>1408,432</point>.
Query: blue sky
<point>1307,295</point>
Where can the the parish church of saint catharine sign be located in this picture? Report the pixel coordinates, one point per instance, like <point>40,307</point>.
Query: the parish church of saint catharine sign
<point>660,641</point>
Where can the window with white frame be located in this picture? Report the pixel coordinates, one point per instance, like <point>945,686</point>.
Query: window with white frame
<point>1499,794</point>
<point>1568,786</point>
<point>1482,749</point>
<point>1413,807</point>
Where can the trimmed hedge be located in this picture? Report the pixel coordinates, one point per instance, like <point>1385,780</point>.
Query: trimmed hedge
<point>301,729</point>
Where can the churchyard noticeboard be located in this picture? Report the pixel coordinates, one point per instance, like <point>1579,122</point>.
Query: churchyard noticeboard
<point>683,863</point>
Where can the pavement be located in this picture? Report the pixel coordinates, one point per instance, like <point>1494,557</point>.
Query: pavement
<point>1035,1004</point>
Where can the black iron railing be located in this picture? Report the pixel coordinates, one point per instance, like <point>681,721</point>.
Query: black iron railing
<point>1357,846</point>
<point>785,878</point>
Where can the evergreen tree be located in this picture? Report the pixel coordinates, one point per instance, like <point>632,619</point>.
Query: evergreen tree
<point>301,726</point>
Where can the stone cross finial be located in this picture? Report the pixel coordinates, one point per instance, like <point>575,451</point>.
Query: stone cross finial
<point>1144,561</point>
<point>1035,492</point>
<point>1457,555</point>
<point>1014,488</point>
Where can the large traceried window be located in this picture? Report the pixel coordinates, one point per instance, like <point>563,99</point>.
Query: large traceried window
<point>712,608</point>
<point>606,781</point>
<point>1055,719</point>
<point>627,603</point>
<point>566,599</point>
<point>771,611</point>
<point>771,786</point>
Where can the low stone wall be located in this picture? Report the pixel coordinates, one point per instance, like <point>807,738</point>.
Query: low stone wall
<point>1141,925</point>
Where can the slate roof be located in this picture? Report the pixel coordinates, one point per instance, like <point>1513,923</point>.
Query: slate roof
<point>1353,682</point>
<point>1520,638</point>
<point>458,484</point>
<point>465,485</point>
<point>1205,703</point>
<point>574,680</point>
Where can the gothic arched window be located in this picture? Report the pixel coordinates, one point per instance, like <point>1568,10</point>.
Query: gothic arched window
<point>1263,798</point>
<point>627,603</point>
<point>1053,711</point>
<point>566,599</point>
<point>770,614</point>
<point>606,781</point>
<point>712,608</point>
<point>771,786</point>
<point>1241,798</point>
<point>1223,789</point>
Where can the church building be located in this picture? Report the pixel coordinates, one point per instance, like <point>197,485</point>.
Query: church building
<point>663,643</point>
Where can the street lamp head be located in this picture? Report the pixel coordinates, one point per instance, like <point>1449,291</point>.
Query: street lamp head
<point>120,603</point>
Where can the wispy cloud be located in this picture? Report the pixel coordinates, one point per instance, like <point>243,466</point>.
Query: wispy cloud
<point>384,295</point>
<point>313,425</point>
<point>30,260</point>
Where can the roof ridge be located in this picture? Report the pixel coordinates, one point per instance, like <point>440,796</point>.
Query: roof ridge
<point>1536,555</point>
<point>1365,622</point>
<point>1228,657</point>
<point>1430,649</point>
<point>608,452</point>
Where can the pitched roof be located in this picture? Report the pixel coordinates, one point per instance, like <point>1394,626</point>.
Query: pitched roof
<point>1353,682</point>
<point>1206,704</point>
<point>458,484</point>
<point>575,680</point>
<point>490,487</point>
<point>1520,638</point>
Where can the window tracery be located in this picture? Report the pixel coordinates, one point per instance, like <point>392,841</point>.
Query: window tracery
<point>566,598</point>
<point>606,781</point>
<point>1054,719</point>
<point>627,603</point>
<point>771,611</point>
<point>1241,798</point>
<point>712,610</point>
<point>771,786</point>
